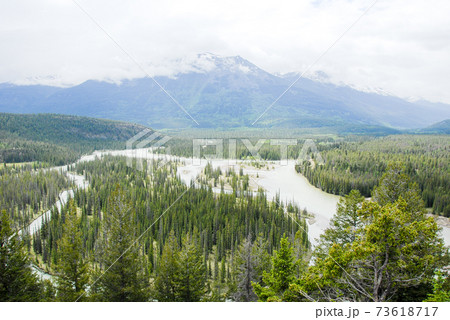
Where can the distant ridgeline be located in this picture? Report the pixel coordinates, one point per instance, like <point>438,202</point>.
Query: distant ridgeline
<point>230,93</point>
<point>442,127</point>
<point>58,139</point>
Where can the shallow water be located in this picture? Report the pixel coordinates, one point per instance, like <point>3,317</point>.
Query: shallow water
<point>280,178</point>
<point>284,180</point>
<point>294,187</point>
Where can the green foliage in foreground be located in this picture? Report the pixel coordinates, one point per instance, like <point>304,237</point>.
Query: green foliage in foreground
<point>441,290</point>
<point>396,247</point>
<point>190,253</point>
<point>251,261</point>
<point>126,278</point>
<point>17,281</point>
<point>281,275</point>
<point>73,270</point>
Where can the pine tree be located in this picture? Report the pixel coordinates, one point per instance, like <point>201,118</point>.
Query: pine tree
<point>301,251</point>
<point>395,183</point>
<point>378,251</point>
<point>124,277</point>
<point>395,252</point>
<point>216,263</point>
<point>250,263</point>
<point>73,273</point>
<point>165,288</point>
<point>344,225</point>
<point>223,272</point>
<point>17,281</point>
<point>398,250</point>
<point>244,273</point>
<point>192,273</point>
<point>276,282</point>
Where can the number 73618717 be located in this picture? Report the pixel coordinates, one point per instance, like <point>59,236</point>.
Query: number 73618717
<point>406,311</point>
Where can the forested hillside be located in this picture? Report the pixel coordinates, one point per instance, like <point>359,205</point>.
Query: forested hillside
<point>442,127</point>
<point>58,139</point>
<point>360,165</point>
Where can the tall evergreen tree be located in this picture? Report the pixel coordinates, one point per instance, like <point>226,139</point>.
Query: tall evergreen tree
<point>395,183</point>
<point>191,277</point>
<point>250,263</point>
<point>17,281</point>
<point>396,251</point>
<point>277,281</point>
<point>244,272</point>
<point>223,272</point>
<point>165,288</point>
<point>124,275</point>
<point>73,273</point>
<point>344,225</point>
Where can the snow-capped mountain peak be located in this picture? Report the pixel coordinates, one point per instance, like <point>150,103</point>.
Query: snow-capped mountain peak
<point>207,62</point>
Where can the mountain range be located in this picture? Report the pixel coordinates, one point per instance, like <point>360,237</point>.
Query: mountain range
<point>442,127</point>
<point>225,92</point>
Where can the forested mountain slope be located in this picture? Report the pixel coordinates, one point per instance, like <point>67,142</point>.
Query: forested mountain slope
<point>58,139</point>
<point>442,127</point>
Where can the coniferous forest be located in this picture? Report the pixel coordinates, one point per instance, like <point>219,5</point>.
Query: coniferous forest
<point>210,153</point>
<point>137,233</point>
<point>27,190</point>
<point>134,231</point>
<point>361,164</point>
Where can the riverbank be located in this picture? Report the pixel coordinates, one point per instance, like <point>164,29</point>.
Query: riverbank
<point>275,177</point>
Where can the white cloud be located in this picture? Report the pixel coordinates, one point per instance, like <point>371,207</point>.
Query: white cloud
<point>400,46</point>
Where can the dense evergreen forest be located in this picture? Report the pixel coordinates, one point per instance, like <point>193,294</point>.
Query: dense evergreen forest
<point>140,234</point>
<point>26,191</point>
<point>144,236</point>
<point>17,150</point>
<point>58,139</point>
<point>213,226</point>
<point>355,162</point>
<point>360,165</point>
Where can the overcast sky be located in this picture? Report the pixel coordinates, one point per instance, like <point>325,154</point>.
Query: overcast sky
<point>401,46</point>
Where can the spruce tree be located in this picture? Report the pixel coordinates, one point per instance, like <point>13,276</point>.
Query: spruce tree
<point>344,225</point>
<point>393,257</point>
<point>395,183</point>
<point>124,275</point>
<point>165,288</point>
<point>17,281</point>
<point>73,273</point>
<point>223,271</point>
<point>192,273</point>
<point>276,282</point>
<point>244,273</point>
